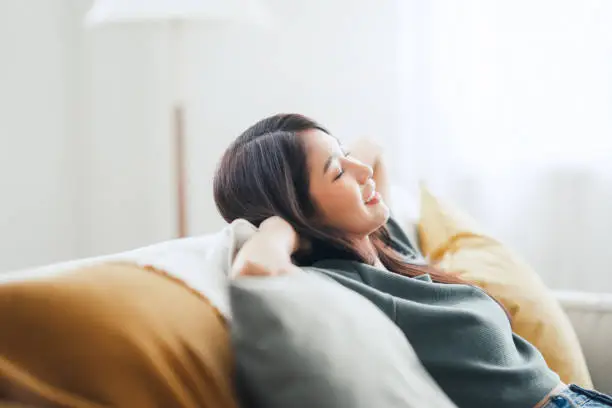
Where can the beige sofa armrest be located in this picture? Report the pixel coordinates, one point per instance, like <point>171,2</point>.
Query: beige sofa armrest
<point>588,301</point>
<point>591,316</point>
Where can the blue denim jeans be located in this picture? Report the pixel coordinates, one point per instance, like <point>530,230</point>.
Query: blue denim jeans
<point>577,397</point>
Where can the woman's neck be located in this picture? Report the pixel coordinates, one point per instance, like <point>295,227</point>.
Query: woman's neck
<point>367,244</point>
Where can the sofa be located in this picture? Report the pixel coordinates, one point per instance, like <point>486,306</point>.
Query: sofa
<point>590,313</point>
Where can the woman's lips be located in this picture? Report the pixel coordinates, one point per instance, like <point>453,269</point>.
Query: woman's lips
<point>374,199</point>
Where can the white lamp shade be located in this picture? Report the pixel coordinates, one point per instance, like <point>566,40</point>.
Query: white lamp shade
<point>116,11</point>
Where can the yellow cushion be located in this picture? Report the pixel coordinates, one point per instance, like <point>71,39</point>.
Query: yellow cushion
<point>115,335</point>
<point>455,242</point>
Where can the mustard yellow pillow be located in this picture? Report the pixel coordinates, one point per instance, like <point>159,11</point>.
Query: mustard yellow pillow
<point>113,335</point>
<point>454,241</point>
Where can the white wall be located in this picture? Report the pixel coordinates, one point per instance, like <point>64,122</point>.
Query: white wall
<point>321,58</point>
<point>330,59</point>
<point>37,182</point>
<point>85,132</point>
<point>128,193</point>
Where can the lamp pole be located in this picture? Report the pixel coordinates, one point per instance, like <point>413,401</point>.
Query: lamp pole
<point>178,127</point>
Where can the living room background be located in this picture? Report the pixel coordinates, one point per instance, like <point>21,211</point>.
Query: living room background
<point>504,111</point>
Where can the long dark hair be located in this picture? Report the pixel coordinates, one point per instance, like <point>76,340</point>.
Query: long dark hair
<point>264,172</point>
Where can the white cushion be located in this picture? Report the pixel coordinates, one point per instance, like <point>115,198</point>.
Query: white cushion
<point>203,263</point>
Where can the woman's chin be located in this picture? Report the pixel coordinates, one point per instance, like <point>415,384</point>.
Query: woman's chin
<point>379,213</point>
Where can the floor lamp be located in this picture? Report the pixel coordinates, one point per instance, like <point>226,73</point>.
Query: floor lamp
<point>177,12</point>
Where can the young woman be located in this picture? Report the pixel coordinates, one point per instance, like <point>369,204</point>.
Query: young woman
<point>321,206</point>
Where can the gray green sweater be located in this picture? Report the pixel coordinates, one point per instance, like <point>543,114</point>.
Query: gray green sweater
<point>462,336</point>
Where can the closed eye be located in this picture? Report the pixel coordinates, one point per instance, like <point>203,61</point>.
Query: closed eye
<point>346,154</point>
<point>329,161</point>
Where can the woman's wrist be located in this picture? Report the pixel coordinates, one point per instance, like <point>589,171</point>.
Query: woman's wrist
<point>269,251</point>
<point>278,231</point>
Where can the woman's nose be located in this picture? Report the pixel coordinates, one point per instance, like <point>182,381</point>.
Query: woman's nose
<point>362,172</point>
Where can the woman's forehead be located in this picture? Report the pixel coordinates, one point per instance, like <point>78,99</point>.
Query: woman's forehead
<point>319,145</point>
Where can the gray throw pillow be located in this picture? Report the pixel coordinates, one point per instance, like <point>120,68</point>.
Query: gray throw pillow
<point>303,341</point>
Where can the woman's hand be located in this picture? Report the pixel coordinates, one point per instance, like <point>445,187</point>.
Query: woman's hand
<point>277,226</point>
<point>366,150</point>
<point>269,251</point>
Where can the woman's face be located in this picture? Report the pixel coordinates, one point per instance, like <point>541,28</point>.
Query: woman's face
<point>342,187</point>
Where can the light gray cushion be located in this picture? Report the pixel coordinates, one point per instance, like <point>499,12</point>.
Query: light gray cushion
<point>304,341</point>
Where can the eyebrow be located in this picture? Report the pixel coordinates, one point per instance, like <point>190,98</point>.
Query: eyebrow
<point>328,163</point>
<point>332,157</point>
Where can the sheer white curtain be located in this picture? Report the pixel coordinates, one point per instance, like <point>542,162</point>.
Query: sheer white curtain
<point>507,110</point>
